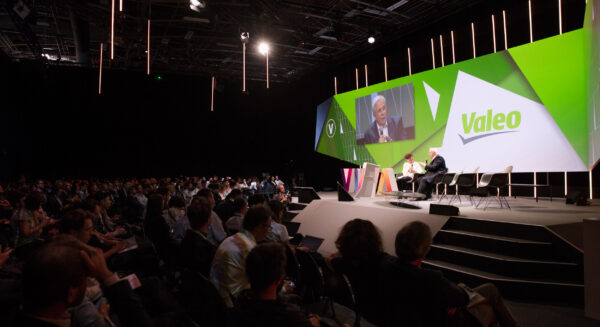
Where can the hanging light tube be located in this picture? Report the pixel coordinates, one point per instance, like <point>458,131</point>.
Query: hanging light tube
<point>494,32</point>
<point>148,51</point>
<point>560,16</point>
<point>335,85</point>
<point>473,37</point>
<point>366,76</point>
<point>530,23</point>
<point>505,34</point>
<point>409,64</point>
<point>385,68</point>
<point>112,30</point>
<point>356,75</point>
<point>453,55</point>
<point>212,94</point>
<point>243,67</point>
<point>442,49</point>
<point>100,70</point>
<point>432,54</point>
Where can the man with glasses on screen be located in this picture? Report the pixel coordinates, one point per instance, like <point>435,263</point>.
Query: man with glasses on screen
<point>384,128</point>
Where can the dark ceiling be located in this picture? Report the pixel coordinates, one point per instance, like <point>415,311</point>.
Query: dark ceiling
<point>305,35</point>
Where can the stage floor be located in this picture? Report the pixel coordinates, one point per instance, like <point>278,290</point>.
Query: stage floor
<point>324,218</point>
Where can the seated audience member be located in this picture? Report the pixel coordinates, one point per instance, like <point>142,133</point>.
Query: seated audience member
<point>234,223</point>
<point>79,224</point>
<point>216,233</point>
<point>256,199</point>
<point>277,232</point>
<point>156,227</point>
<point>428,299</point>
<point>197,251</point>
<point>259,306</point>
<point>55,280</point>
<point>281,195</point>
<point>175,211</point>
<point>30,220</point>
<point>227,272</point>
<point>225,209</point>
<point>105,203</point>
<point>362,259</point>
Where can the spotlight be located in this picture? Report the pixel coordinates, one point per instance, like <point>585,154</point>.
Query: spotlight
<point>197,5</point>
<point>245,36</point>
<point>371,39</point>
<point>263,48</point>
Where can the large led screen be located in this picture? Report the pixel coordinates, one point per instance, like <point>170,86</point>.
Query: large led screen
<point>386,116</point>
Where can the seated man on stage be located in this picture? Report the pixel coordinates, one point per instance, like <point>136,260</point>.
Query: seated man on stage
<point>384,128</point>
<point>436,167</point>
<point>410,168</point>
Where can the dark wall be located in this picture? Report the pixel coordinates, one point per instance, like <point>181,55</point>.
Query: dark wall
<point>53,123</point>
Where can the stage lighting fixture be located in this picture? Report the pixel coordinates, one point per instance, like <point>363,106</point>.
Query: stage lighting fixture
<point>263,48</point>
<point>371,39</point>
<point>159,77</point>
<point>245,37</point>
<point>197,5</point>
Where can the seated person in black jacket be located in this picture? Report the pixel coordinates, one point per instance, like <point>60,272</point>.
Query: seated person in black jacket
<point>429,299</point>
<point>55,279</point>
<point>197,251</point>
<point>362,260</point>
<point>259,306</point>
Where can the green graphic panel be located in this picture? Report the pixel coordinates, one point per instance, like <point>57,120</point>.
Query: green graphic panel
<point>556,69</point>
<point>340,141</point>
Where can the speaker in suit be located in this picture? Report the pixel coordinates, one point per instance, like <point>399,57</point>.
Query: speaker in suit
<point>396,131</point>
<point>436,167</point>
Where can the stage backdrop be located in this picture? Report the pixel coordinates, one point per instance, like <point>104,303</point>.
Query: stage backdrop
<point>527,107</point>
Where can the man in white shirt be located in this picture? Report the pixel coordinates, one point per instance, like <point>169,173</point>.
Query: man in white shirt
<point>410,168</point>
<point>228,272</point>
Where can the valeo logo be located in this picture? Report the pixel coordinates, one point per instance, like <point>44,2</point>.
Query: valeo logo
<point>489,124</point>
<point>330,128</point>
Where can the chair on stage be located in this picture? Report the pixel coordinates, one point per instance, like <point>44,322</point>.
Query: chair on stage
<point>497,181</point>
<point>445,179</point>
<point>464,181</point>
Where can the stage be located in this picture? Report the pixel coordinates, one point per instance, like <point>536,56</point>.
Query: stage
<point>324,218</point>
<point>534,251</point>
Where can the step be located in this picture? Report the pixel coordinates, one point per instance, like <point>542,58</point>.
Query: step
<point>507,265</point>
<point>501,228</point>
<point>509,246</point>
<point>546,290</point>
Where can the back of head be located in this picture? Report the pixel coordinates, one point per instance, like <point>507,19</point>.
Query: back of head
<point>205,193</point>
<point>413,241</point>
<point>50,272</point>
<point>176,202</point>
<point>265,265</point>
<point>155,205</point>
<point>256,199</point>
<point>239,204</point>
<point>199,212</point>
<point>256,216</point>
<point>359,238</point>
<point>73,220</point>
<point>33,201</point>
<point>276,207</point>
<point>234,194</point>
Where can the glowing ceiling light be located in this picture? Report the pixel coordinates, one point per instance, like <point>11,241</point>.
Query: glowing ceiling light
<point>371,39</point>
<point>263,48</point>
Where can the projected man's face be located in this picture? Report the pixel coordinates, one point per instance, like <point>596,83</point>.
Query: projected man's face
<point>380,112</point>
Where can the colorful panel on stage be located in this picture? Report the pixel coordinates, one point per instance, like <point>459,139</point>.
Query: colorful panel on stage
<point>387,181</point>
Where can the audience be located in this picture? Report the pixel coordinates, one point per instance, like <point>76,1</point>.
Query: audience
<point>227,271</point>
<point>66,280</point>
<point>430,299</point>
<point>197,251</point>
<point>259,306</point>
<point>277,232</point>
